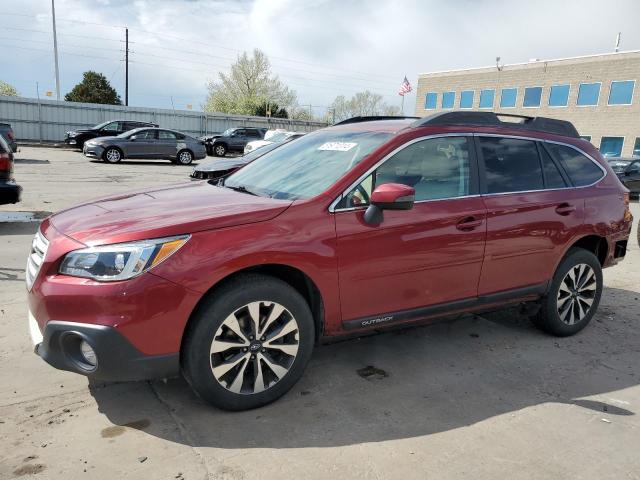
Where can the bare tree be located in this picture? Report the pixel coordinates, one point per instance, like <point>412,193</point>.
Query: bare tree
<point>248,85</point>
<point>361,104</point>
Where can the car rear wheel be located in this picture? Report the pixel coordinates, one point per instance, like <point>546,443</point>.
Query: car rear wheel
<point>574,295</point>
<point>184,157</point>
<point>219,150</point>
<point>112,155</point>
<point>249,343</point>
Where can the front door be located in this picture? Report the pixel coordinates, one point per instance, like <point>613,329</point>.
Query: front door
<point>422,257</point>
<point>145,145</point>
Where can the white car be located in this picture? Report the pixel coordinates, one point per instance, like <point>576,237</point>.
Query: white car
<point>276,138</point>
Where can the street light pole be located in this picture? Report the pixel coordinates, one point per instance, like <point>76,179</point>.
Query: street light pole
<point>126,67</point>
<point>55,48</point>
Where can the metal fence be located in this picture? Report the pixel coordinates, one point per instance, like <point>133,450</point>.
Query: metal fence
<point>48,120</point>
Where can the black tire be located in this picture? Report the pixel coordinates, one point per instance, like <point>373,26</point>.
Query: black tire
<point>196,359</point>
<point>112,155</point>
<point>548,318</point>
<point>219,149</point>
<point>184,157</point>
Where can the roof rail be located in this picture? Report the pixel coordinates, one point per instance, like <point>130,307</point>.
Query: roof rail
<point>373,118</point>
<point>540,124</point>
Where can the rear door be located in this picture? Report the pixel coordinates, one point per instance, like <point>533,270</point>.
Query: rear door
<point>531,213</point>
<point>167,144</point>
<point>238,139</point>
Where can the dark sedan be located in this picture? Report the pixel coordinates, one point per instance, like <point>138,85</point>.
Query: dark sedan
<point>628,171</point>
<point>149,143</point>
<point>9,190</point>
<point>215,169</point>
<point>76,138</point>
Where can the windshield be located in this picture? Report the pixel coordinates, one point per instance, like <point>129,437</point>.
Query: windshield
<point>279,137</point>
<point>308,166</point>
<point>228,132</point>
<point>100,125</point>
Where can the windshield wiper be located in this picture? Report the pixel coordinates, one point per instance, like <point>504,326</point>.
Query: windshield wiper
<point>240,188</point>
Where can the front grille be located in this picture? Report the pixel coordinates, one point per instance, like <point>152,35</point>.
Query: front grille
<point>36,257</point>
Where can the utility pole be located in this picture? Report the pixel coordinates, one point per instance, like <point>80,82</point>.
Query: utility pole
<point>126,67</point>
<point>618,42</point>
<point>55,48</point>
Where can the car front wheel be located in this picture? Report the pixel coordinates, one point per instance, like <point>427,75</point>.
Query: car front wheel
<point>219,150</point>
<point>112,155</point>
<point>249,343</point>
<point>573,296</point>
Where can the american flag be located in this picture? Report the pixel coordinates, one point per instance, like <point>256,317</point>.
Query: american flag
<point>404,88</point>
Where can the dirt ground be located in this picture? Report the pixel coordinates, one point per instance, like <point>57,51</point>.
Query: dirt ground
<point>482,397</point>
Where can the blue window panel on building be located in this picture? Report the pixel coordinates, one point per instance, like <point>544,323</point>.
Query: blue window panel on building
<point>611,146</point>
<point>466,99</point>
<point>559,96</point>
<point>486,98</point>
<point>621,93</point>
<point>532,97</point>
<point>588,94</point>
<point>508,97</point>
<point>448,99</point>
<point>431,101</point>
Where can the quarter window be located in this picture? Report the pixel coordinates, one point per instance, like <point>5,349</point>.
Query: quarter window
<point>621,93</point>
<point>436,168</point>
<point>611,146</point>
<point>486,98</point>
<point>448,99</point>
<point>581,170</point>
<point>431,101</point>
<point>508,97</point>
<point>466,99</point>
<point>559,96</point>
<point>552,176</point>
<point>511,165</point>
<point>588,94</point>
<point>532,97</point>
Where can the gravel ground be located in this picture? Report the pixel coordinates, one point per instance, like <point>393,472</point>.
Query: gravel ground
<point>482,397</point>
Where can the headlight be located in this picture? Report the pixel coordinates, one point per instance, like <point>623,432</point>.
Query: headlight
<point>120,261</point>
<point>71,133</point>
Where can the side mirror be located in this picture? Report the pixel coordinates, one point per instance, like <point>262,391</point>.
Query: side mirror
<point>133,138</point>
<point>389,196</point>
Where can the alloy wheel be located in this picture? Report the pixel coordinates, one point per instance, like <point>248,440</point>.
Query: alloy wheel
<point>185,158</point>
<point>254,347</point>
<point>113,155</point>
<point>576,294</point>
<point>220,150</point>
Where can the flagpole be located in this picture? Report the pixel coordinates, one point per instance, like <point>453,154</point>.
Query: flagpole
<point>402,108</point>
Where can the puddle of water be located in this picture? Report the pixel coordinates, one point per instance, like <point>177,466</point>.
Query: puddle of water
<point>22,217</point>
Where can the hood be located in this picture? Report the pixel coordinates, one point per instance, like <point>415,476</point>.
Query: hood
<point>216,165</point>
<point>102,139</point>
<point>84,130</point>
<point>162,212</point>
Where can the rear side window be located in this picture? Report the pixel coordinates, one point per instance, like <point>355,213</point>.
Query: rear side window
<point>510,165</point>
<point>581,170</point>
<point>552,176</point>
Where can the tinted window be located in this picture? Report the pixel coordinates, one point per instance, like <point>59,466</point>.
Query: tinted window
<point>466,99</point>
<point>508,97</point>
<point>532,97</point>
<point>431,101</point>
<point>588,93</point>
<point>511,165</point>
<point>486,98</point>
<point>621,93</point>
<point>552,176</point>
<point>581,170</point>
<point>166,135</point>
<point>437,168</point>
<point>251,132</point>
<point>559,96</point>
<point>112,127</point>
<point>448,99</point>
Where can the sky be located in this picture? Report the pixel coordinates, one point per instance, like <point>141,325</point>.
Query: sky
<point>320,48</point>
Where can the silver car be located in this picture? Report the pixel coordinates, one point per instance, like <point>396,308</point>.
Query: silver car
<point>146,143</point>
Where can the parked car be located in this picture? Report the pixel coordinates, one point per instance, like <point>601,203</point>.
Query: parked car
<point>628,171</point>
<point>106,129</point>
<point>208,141</point>
<point>9,190</point>
<point>234,140</point>
<point>146,143</point>
<point>349,230</point>
<point>219,168</point>
<point>277,138</point>
<point>7,132</point>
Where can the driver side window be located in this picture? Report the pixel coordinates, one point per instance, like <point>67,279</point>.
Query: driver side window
<point>112,127</point>
<point>436,168</point>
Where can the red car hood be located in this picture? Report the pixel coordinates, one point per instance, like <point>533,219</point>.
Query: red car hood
<point>162,212</point>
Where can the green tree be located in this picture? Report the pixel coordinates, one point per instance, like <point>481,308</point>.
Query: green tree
<point>276,112</point>
<point>8,90</point>
<point>94,88</point>
<point>361,104</point>
<point>247,86</point>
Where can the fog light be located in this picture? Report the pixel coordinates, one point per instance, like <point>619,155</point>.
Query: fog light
<point>88,354</point>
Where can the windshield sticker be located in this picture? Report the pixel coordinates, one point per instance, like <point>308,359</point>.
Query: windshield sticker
<point>337,146</point>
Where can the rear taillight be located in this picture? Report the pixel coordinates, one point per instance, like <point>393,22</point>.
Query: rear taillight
<point>10,135</point>
<point>5,162</point>
<point>627,210</point>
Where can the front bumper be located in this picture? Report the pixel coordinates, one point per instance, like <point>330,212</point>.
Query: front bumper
<point>9,192</point>
<point>117,359</point>
<point>92,151</point>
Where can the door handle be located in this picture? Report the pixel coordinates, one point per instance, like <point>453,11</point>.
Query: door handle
<point>565,209</point>
<point>469,223</point>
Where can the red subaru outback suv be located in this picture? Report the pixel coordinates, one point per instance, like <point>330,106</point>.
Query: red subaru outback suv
<point>367,224</point>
